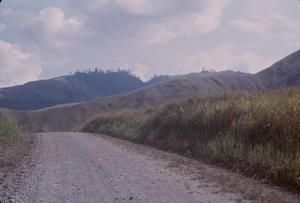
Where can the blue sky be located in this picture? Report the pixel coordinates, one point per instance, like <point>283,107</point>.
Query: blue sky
<point>47,38</point>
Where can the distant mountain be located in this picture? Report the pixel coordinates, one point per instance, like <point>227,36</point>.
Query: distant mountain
<point>82,86</point>
<point>284,73</point>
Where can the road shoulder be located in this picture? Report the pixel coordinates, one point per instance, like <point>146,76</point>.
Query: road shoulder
<point>13,159</point>
<point>197,176</point>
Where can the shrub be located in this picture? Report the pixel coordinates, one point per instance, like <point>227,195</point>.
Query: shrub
<point>258,134</point>
<point>9,132</point>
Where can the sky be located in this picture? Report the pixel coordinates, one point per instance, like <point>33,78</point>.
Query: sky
<point>41,39</point>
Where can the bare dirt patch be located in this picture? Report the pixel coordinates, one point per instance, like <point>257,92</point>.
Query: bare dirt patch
<point>11,158</point>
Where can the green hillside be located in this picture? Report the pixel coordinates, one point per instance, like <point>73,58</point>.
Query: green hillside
<point>257,134</point>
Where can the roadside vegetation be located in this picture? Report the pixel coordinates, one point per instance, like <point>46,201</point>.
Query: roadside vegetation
<point>255,134</point>
<point>12,143</point>
<point>14,146</point>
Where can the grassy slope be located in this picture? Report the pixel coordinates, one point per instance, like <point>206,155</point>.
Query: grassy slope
<point>284,73</point>
<point>256,134</point>
<point>70,116</point>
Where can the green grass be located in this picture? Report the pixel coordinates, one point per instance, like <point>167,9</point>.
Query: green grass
<point>256,134</point>
<point>13,144</point>
<point>9,132</point>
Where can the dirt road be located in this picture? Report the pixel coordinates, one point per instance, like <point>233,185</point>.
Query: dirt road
<point>75,167</point>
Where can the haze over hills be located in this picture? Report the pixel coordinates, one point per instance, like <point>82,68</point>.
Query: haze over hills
<point>69,116</point>
<point>82,86</point>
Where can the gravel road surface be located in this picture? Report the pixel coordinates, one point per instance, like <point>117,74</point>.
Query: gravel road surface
<point>77,167</point>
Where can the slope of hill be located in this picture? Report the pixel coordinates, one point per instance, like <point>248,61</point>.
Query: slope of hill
<point>70,116</point>
<point>157,79</point>
<point>74,88</point>
<point>247,132</point>
<point>91,85</point>
<point>284,73</point>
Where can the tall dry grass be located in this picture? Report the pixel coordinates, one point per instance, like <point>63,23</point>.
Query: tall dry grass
<point>13,144</point>
<point>257,134</point>
<point>9,132</point>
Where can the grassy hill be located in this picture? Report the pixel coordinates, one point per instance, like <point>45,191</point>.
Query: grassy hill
<point>82,86</point>
<point>70,116</point>
<point>284,73</point>
<point>160,90</point>
<point>85,86</point>
<point>257,134</point>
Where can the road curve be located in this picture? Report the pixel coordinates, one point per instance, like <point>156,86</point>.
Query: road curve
<point>77,167</point>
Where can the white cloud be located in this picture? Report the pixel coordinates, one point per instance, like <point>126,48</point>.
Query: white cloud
<point>142,71</point>
<point>51,27</point>
<point>82,6</point>
<point>206,20</point>
<point>224,58</point>
<point>53,19</point>
<point>138,7</point>
<point>159,33</point>
<point>17,66</point>
<point>264,24</point>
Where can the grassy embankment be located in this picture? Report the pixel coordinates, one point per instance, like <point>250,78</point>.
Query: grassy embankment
<point>12,143</point>
<point>257,134</point>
